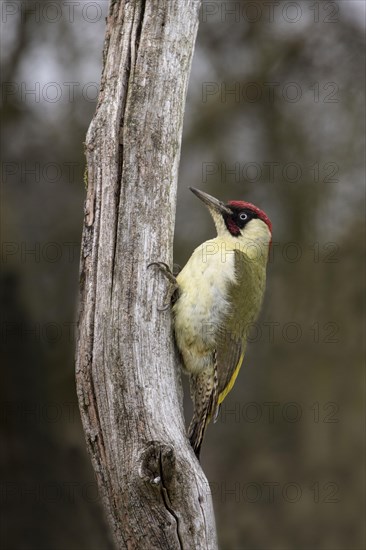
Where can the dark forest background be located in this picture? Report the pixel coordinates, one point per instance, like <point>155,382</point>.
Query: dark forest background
<point>275,115</point>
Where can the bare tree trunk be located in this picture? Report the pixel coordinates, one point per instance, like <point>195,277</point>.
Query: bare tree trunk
<point>128,380</point>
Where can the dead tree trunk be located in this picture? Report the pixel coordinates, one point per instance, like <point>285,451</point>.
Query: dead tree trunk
<point>128,381</point>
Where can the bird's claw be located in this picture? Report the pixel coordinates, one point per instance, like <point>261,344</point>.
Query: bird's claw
<point>164,307</point>
<point>173,285</point>
<point>165,269</point>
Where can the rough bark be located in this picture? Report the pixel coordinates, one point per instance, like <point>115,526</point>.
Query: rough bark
<point>128,378</point>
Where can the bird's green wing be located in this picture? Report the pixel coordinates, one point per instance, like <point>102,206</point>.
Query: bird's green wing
<point>245,301</point>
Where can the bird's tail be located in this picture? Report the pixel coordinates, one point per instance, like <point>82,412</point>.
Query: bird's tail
<point>204,391</point>
<point>196,432</point>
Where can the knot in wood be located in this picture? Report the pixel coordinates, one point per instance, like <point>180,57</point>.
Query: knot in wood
<point>157,463</point>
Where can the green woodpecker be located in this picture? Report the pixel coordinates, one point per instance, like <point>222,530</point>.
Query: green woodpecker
<point>219,295</point>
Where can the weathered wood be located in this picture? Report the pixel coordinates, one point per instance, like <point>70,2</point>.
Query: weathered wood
<point>128,378</point>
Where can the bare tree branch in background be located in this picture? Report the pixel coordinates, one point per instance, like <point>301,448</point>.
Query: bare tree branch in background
<point>128,380</point>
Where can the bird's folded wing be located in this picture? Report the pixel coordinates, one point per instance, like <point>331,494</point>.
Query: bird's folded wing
<point>229,356</point>
<point>232,335</point>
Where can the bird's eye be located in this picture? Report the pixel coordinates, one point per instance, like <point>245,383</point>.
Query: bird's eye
<point>243,216</point>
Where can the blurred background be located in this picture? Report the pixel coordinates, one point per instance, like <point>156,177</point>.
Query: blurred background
<point>275,116</point>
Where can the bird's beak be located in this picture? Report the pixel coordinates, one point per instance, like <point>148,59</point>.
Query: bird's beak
<point>211,202</point>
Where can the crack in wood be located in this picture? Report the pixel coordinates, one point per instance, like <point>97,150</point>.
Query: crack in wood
<point>169,454</point>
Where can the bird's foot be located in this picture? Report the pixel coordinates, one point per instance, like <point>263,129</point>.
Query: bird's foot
<point>176,269</point>
<point>173,285</point>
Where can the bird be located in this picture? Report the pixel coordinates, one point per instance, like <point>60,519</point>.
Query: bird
<point>216,298</point>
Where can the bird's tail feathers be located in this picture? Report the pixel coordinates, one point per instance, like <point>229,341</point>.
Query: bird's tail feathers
<point>196,432</point>
<point>204,410</point>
